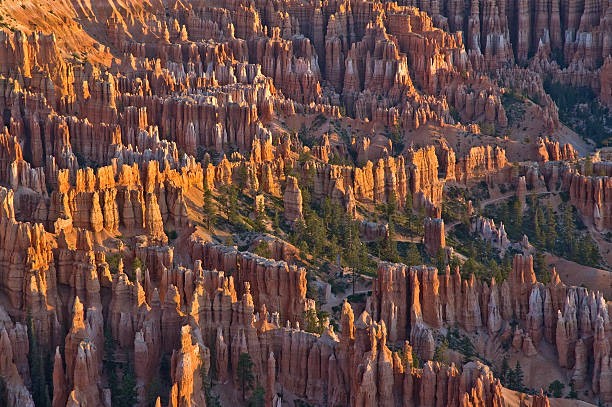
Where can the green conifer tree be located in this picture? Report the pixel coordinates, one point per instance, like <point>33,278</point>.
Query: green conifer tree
<point>245,373</point>
<point>127,395</point>
<point>209,209</point>
<point>40,390</point>
<point>413,256</point>
<point>551,228</point>
<point>258,398</point>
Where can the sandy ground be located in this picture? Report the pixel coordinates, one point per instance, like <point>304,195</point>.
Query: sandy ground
<point>576,274</point>
<point>335,300</point>
<point>539,371</point>
<point>605,247</point>
<point>194,198</point>
<point>542,369</point>
<point>521,135</point>
<point>512,399</point>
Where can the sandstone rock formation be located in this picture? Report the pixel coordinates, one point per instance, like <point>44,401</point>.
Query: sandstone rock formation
<point>117,115</point>
<point>293,201</point>
<point>405,298</point>
<point>487,229</point>
<point>434,236</point>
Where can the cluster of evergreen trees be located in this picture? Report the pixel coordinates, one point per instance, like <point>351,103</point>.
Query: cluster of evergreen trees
<point>313,321</point>
<point>580,110</point>
<point>511,378</point>
<point>461,343</point>
<point>41,371</point>
<point>123,387</point>
<point>559,234</point>
<point>329,232</point>
<point>228,204</point>
<point>246,380</point>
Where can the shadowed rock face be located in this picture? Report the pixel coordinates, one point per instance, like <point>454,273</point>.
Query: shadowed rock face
<point>119,115</point>
<point>434,236</point>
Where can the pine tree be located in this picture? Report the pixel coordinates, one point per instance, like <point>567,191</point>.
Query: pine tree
<point>410,218</point>
<point>540,267</point>
<point>569,227</point>
<point>334,249</point>
<point>518,374</point>
<point>242,177</point>
<point>40,390</point>
<point>109,360</point>
<point>326,211</point>
<point>306,197</point>
<point>276,220</point>
<point>441,260</point>
<point>130,272</point>
<point>127,395</point>
<point>260,219</point>
<point>258,398</point>
<point>470,266</point>
<point>556,389</point>
<point>317,234</point>
<point>516,377</point>
<point>588,166</point>
<point>153,391</point>
<point>309,177</point>
<point>505,215</point>
<point>420,224</point>
<point>416,362</point>
<point>245,373</point>
<point>505,371</point>
<point>573,394</point>
<point>3,392</point>
<point>387,250</point>
<point>352,260</point>
<point>467,349</point>
<point>593,253</point>
<point>538,218</point>
<point>413,257</point>
<point>409,202</point>
<point>587,252</point>
<point>312,323</point>
<point>209,208</point>
<point>232,209</point>
<point>391,207</point>
<point>517,218</point>
<point>506,267</point>
<point>454,263</point>
<point>494,270</point>
<point>440,352</point>
<point>263,249</point>
<point>225,200</point>
<point>551,228</point>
